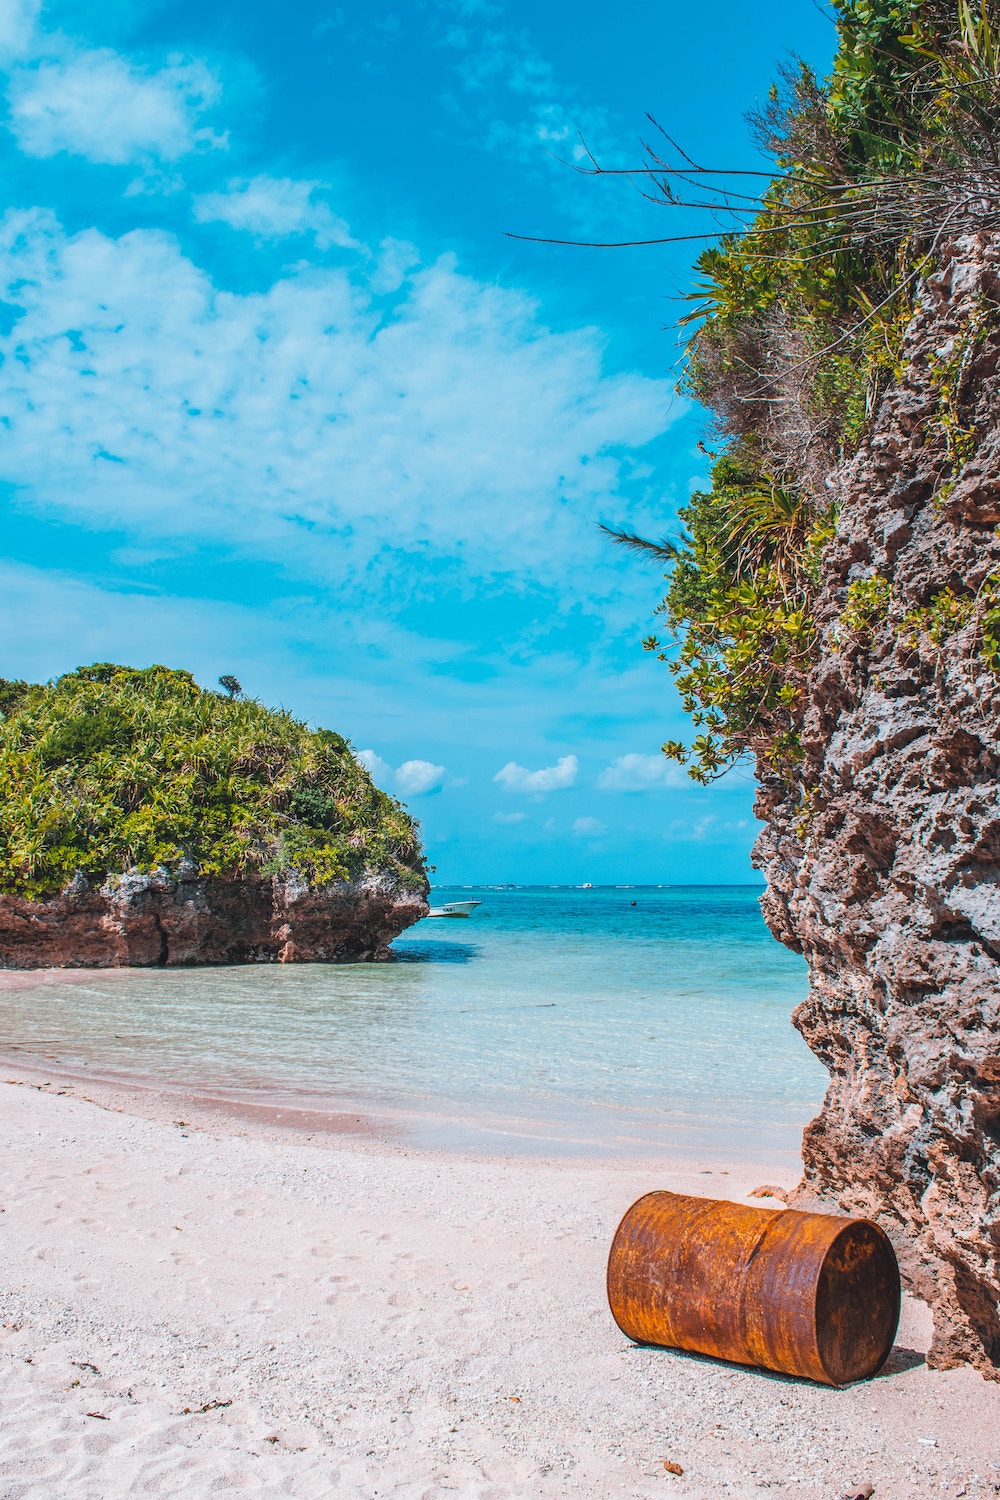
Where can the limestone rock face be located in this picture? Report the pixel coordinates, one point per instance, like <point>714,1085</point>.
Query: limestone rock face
<point>887,876</point>
<point>149,920</point>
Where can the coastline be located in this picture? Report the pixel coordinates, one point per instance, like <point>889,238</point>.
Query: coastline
<point>343,1313</point>
<point>564,1023</point>
<point>431,1126</point>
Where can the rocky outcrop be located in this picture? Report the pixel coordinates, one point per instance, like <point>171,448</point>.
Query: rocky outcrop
<point>886,874</point>
<point>166,920</point>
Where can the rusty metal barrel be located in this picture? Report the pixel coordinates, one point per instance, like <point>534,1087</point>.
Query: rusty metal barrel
<point>805,1294</point>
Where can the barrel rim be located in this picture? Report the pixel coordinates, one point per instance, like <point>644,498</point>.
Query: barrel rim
<point>852,1222</point>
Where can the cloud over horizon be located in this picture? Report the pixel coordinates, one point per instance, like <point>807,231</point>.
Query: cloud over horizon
<point>550,779</point>
<point>637,773</point>
<point>414,778</point>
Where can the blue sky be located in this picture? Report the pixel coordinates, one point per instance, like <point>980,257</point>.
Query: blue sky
<point>281,399</point>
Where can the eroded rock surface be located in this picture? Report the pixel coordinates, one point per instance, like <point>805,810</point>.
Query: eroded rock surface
<point>148,920</point>
<point>887,878</point>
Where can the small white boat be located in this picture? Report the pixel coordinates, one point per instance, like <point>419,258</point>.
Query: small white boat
<point>454,909</point>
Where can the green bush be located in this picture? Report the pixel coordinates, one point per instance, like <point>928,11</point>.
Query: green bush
<point>112,769</point>
<point>867,603</point>
<point>798,324</point>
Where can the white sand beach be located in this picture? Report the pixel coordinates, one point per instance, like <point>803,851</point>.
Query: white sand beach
<point>204,1305</point>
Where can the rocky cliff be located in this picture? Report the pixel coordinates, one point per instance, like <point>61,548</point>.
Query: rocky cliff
<point>885,874</point>
<point>166,920</point>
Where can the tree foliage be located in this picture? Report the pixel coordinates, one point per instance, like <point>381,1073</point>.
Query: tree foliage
<point>112,769</point>
<point>797,325</point>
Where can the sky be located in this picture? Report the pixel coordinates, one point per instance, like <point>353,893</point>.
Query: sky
<point>281,397</point>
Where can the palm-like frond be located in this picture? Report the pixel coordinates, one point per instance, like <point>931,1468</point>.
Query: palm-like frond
<point>664,551</point>
<point>767,529</point>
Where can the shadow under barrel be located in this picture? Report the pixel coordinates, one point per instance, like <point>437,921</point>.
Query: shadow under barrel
<point>805,1294</point>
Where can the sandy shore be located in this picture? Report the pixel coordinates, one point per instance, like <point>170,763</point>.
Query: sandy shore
<point>215,1306</point>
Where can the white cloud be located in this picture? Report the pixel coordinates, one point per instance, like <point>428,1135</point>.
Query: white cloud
<point>637,773</point>
<point>272,207</point>
<point>589,827</point>
<point>378,769</point>
<point>509,818</point>
<point>550,779</point>
<point>97,105</point>
<point>396,259</point>
<point>306,421</point>
<point>414,778</point>
<point>17,26</point>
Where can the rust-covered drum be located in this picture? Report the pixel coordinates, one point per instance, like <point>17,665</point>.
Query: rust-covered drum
<point>806,1294</point>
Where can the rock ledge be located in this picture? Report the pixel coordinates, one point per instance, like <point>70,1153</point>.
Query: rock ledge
<point>167,920</point>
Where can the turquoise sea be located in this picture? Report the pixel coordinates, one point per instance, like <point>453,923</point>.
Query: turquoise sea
<point>622,1021</point>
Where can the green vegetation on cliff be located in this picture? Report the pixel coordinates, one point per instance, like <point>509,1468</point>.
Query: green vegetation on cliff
<point>110,769</point>
<point>798,330</point>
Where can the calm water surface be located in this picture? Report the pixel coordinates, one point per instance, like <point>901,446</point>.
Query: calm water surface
<point>616,1021</point>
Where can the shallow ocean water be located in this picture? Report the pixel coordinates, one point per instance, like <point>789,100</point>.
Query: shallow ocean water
<point>618,1021</point>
